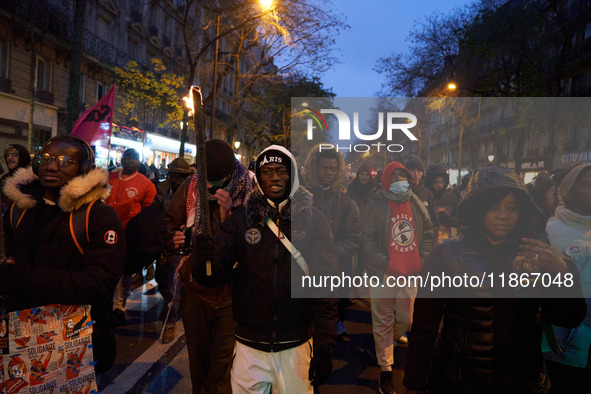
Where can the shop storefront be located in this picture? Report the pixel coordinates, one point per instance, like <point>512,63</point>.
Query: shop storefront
<point>530,169</point>
<point>572,158</point>
<point>161,151</point>
<point>153,148</point>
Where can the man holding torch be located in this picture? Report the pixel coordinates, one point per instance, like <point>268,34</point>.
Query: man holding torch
<point>207,312</point>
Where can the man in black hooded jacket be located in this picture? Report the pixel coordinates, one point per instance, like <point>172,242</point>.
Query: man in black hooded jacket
<point>274,347</point>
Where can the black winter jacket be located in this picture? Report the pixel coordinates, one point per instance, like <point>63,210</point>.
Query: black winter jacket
<point>428,199</point>
<point>269,317</point>
<point>362,194</point>
<point>486,344</point>
<point>343,216</point>
<point>49,267</point>
<point>338,207</point>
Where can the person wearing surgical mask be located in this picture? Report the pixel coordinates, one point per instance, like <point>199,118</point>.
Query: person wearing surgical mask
<point>397,237</point>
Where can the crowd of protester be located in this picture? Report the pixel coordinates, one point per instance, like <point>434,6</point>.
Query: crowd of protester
<point>77,234</point>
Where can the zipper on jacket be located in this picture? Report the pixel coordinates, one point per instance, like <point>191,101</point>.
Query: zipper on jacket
<point>274,327</point>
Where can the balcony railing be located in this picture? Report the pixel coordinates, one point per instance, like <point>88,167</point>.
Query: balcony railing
<point>44,96</point>
<point>99,48</point>
<point>5,85</point>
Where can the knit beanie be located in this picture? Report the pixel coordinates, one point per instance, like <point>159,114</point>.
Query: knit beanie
<point>276,154</point>
<point>413,161</point>
<point>220,159</point>
<point>364,167</point>
<point>569,180</point>
<point>272,156</point>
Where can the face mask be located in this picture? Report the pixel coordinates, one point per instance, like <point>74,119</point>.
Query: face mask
<point>217,184</point>
<point>399,187</point>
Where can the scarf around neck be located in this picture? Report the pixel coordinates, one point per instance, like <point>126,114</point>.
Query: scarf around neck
<point>238,187</point>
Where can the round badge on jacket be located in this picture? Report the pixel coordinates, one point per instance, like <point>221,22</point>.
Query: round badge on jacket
<point>253,236</point>
<point>111,237</point>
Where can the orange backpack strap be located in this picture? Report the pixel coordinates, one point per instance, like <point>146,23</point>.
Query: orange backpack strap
<point>79,219</point>
<point>16,215</point>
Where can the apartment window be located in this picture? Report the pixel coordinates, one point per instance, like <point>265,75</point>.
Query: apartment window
<point>82,89</point>
<point>106,30</point>
<point>534,141</point>
<point>168,26</point>
<point>132,49</point>
<point>43,75</point>
<point>101,90</point>
<point>4,47</point>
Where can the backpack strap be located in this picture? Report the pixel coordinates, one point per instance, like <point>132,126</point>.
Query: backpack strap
<point>79,219</point>
<point>297,256</point>
<point>16,215</point>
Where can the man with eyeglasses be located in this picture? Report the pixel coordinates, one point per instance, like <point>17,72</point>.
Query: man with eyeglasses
<point>46,264</point>
<point>130,193</point>
<point>16,156</point>
<point>274,349</point>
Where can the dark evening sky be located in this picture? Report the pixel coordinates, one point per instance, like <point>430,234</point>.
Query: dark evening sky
<point>378,27</point>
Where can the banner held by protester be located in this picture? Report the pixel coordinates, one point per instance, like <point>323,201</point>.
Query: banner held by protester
<point>96,123</point>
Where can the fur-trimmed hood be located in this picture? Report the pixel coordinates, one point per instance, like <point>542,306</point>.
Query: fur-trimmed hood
<point>23,188</point>
<point>258,207</point>
<point>309,171</point>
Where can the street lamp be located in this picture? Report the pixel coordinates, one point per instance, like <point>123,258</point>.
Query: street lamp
<point>491,158</point>
<point>236,145</point>
<point>267,7</point>
<point>266,4</point>
<point>452,86</point>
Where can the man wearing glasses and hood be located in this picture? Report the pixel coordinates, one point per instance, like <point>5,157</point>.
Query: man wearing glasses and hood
<point>48,260</point>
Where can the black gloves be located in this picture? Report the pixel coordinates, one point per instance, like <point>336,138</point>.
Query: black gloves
<point>320,367</point>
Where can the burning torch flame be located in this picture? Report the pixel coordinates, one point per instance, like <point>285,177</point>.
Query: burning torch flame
<point>189,102</point>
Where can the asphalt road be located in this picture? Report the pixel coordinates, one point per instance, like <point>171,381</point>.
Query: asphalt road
<point>144,365</point>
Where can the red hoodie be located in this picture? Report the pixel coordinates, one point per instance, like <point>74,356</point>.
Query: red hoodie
<point>403,249</point>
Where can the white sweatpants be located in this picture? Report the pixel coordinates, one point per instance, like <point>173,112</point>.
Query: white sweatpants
<point>284,372</point>
<point>391,316</point>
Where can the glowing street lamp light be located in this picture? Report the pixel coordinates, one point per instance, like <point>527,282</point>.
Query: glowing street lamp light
<point>452,86</point>
<point>491,158</point>
<point>236,144</point>
<point>266,4</point>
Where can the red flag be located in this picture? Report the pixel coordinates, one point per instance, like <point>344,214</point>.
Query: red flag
<point>95,125</point>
